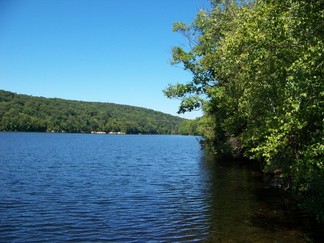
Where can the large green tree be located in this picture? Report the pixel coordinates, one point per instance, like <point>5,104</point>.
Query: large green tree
<point>258,74</point>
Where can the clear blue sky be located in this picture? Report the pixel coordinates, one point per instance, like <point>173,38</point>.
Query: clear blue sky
<point>94,50</point>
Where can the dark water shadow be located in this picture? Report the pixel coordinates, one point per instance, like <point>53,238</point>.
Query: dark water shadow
<point>244,208</point>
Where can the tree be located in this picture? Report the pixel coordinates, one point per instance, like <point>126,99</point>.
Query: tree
<point>257,73</point>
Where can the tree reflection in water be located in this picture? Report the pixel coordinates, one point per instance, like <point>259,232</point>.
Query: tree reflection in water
<point>243,208</point>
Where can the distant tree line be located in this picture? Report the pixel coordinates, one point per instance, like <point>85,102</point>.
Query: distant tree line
<point>257,71</point>
<point>38,114</point>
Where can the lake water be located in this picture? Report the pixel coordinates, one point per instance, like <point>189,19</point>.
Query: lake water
<point>135,188</point>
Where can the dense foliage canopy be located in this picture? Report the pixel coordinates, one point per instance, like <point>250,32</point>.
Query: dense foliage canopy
<point>28,113</point>
<point>258,75</point>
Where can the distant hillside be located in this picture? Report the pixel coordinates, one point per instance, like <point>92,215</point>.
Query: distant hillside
<point>28,113</point>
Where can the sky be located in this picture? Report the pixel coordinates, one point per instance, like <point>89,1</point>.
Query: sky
<point>94,50</point>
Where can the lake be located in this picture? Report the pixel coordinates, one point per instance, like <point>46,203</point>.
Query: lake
<point>136,188</point>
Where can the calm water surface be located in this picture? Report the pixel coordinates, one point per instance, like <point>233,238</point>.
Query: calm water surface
<point>79,187</point>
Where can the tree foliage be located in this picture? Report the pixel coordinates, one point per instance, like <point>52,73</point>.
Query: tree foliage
<point>27,113</point>
<point>258,74</point>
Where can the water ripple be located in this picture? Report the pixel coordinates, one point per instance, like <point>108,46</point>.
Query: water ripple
<point>88,188</point>
<point>101,188</point>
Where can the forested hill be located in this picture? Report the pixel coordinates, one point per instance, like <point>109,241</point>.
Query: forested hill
<point>28,113</point>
